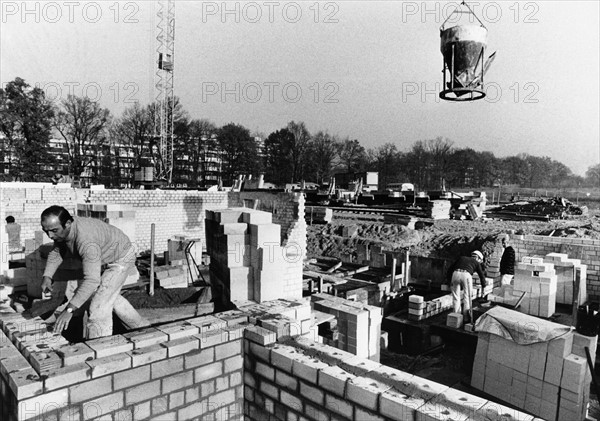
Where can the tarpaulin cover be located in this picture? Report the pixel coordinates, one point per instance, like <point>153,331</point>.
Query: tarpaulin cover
<point>518,327</point>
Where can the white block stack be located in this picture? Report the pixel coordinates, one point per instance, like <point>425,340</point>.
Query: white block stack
<point>538,280</point>
<point>549,379</point>
<point>358,325</point>
<point>246,255</point>
<point>567,271</point>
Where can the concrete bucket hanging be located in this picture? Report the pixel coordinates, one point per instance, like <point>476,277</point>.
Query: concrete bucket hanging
<point>463,48</point>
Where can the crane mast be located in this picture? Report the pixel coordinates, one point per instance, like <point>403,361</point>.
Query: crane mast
<point>164,100</point>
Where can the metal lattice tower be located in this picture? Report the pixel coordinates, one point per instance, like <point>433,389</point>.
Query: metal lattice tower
<point>163,116</point>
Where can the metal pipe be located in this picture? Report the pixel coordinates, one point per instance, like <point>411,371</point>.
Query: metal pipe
<point>152,229</point>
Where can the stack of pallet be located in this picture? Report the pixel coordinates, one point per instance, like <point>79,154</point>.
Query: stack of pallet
<point>568,271</point>
<point>549,379</point>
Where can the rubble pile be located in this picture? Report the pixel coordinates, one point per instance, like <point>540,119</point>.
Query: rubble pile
<point>543,209</point>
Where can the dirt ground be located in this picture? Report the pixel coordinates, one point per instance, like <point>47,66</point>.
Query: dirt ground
<point>445,238</point>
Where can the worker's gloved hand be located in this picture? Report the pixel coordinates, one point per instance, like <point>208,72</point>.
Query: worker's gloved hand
<point>46,285</point>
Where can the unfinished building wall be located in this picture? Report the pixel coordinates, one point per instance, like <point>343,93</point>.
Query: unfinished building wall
<point>586,250</point>
<point>175,212</point>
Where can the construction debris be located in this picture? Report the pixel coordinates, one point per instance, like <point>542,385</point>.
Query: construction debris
<point>541,210</point>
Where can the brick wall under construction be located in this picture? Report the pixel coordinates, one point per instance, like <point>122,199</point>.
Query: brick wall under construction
<point>174,212</point>
<point>263,361</point>
<point>586,250</point>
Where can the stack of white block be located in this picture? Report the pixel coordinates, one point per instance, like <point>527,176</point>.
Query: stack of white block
<point>567,271</point>
<point>358,325</point>
<point>549,379</point>
<point>246,253</point>
<point>538,280</point>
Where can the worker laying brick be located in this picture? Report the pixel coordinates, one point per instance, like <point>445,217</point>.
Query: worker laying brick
<point>107,257</point>
<point>461,278</point>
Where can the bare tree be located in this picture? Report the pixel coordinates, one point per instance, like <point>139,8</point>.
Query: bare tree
<point>82,123</point>
<point>298,149</point>
<point>135,129</point>
<point>352,155</point>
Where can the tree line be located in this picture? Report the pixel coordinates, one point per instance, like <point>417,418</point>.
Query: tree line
<point>28,122</point>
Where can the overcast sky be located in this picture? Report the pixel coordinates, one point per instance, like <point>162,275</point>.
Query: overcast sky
<point>367,70</point>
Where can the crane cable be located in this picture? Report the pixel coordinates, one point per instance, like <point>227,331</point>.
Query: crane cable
<point>460,12</point>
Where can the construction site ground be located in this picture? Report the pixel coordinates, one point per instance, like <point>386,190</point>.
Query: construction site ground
<point>438,238</point>
<point>451,362</point>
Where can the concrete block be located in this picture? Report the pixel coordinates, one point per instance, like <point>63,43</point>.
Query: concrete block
<point>257,217</point>
<point>265,235</point>
<point>495,411</point>
<point>454,320</point>
<point>147,355</point>
<point>554,368</point>
<point>227,216</point>
<point>398,405</point>
<point>534,387</point>
<point>561,346</point>
<point>109,345</point>
<point>25,383</point>
<point>146,337</point>
<point>365,392</point>
<point>76,353</point>
<point>234,228</point>
<point>177,330</point>
<point>66,376</point>
<point>573,375</point>
<point>109,364</point>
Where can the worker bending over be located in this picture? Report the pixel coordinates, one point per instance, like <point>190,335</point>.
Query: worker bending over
<point>461,278</point>
<point>107,256</point>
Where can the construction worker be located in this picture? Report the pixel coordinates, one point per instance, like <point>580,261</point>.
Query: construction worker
<point>507,261</point>
<point>107,256</point>
<point>461,278</point>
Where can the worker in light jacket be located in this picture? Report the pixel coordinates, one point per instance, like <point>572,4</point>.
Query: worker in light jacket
<point>461,278</point>
<point>107,257</point>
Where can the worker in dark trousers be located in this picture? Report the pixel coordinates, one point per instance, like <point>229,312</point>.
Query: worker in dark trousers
<point>461,278</point>
<point>507,261</point>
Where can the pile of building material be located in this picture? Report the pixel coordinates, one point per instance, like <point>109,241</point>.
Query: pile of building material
<point>548,378</point>
<point>569,272</point>
<point>534,288</point>
<point>246,256</point>
<point>357,328</point>
<point>318,215</point>
<point>542,209</point>
<point>172,276</point>
<point>419,309</point>
<point>434,209</point>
